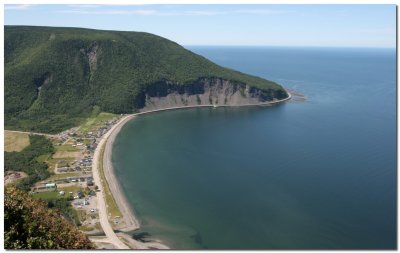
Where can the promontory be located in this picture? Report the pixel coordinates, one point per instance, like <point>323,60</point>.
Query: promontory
<point>56,77</point>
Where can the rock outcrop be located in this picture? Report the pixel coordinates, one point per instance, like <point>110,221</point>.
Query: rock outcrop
<point>204,91</point>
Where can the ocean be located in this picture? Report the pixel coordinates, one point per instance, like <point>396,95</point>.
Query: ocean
<point>313,174</point>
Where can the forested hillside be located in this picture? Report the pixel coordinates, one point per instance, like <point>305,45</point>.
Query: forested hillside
<point>56,77</point>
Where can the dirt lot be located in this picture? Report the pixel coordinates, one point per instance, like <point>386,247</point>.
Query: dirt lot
<point>13,176</point>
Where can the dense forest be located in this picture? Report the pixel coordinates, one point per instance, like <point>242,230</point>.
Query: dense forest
<point>29,224</point>
<point>26,161</point>
<point>56,77</point>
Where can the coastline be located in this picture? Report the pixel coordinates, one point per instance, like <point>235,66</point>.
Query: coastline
<point>108,139</point>
<point>101,203</point>
<point>269,103</point>
<point>131,222</point>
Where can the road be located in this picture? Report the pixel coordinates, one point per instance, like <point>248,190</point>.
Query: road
<point>101,204</point>
<point>22,132</point>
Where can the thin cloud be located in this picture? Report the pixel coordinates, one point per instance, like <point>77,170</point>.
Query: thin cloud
<point>150,12</point>
<point>203,13</point>
<point>84,6</point>
<point>112,12</point>
<point>16,6</point>
<point>262,11</point>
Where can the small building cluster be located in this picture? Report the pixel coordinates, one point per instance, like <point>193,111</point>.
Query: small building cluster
<point>76,155</point>
<point>86,162</point>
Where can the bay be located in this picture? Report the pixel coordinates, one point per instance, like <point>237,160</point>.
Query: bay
<point>319,174</point>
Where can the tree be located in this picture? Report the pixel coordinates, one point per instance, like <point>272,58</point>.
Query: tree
<point>26,161</point>
<point>30,224</point>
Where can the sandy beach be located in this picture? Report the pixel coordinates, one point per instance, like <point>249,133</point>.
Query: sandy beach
<point>101,203</point>
<point>128,214</point>
<point>130,220</point>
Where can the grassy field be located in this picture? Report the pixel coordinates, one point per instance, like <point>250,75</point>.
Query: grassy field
<point>67,154</point>
<point>93,123</point>
<point>47,195</point>
<point>97,226</point>
<point>15,141</point>
<point>61,162</point>
<point>43,158</point>
<point>87,141</point>
<point>67,148</point>
<point>64,154</point>
<point>112,207</point>
<point>63,175</point>
<point>73,188</point>
<point>86,228</point>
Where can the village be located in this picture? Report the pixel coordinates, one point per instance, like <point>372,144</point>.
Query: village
<point>71,169</point>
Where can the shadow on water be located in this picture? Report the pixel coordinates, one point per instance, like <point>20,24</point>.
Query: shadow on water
<point>141,236</point>
<point>198,240</point>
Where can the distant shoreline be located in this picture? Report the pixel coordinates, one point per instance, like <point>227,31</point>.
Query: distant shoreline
<point>128,214</point>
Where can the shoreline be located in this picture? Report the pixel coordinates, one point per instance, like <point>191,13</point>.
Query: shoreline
<point>131,223</point>
<point>107,141</point>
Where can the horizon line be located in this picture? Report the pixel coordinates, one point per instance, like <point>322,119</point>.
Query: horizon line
<point>212,45</point>
<point>298,46</point>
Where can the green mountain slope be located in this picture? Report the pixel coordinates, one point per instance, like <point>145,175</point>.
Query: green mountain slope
<point>56,77</point>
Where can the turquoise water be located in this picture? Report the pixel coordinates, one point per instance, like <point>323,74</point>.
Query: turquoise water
<point>320,174</point>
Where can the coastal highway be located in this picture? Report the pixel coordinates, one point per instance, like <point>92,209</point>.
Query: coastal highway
<point>101,204</point>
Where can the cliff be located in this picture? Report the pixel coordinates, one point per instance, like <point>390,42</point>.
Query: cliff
<point>205,91</point>
<point>57,77</point>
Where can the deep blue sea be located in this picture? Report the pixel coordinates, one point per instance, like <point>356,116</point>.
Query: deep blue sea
<point>318,174</point>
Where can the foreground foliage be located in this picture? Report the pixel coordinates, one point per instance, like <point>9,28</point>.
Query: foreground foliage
<point>29,224</point>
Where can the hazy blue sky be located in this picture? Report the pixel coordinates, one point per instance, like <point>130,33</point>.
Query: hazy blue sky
<point>279,25</point>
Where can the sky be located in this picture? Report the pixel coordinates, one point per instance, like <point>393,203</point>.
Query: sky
<point>231,25</point>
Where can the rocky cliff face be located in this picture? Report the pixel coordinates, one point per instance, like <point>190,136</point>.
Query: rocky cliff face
<point>204,91</point>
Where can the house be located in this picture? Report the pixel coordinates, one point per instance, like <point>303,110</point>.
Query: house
<point>72,179</point>
<point>81,202</point>
<point>63,169</point>
<point>90,182</point>
<point>80,194</point>
<point>51,185</point>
